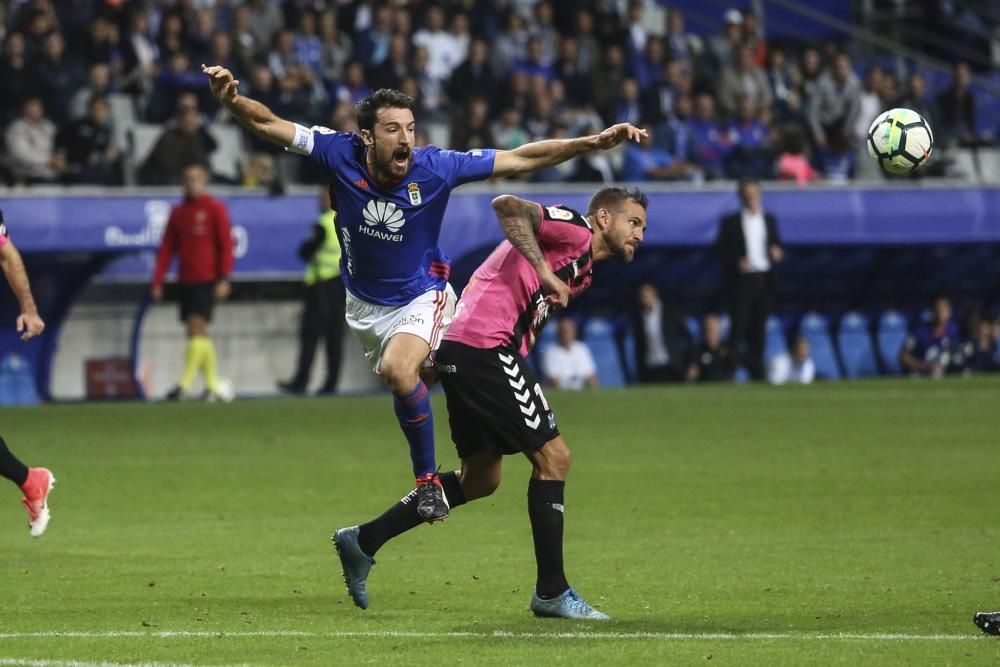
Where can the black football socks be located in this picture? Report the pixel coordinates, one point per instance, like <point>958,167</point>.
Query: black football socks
<point>10,466</point>
<point>402,516</point>
<point>545,508</point>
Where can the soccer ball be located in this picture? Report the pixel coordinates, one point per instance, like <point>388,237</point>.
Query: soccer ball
<point>224,390</point>
<point>900,140</point>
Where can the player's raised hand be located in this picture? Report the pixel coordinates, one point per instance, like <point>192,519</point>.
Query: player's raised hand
<point>29,325</point>
<point>618,133</point>
<point>224,85</point>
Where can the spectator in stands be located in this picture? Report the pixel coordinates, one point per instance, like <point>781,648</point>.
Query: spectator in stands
<point>916,98</point>
<point>171,40</point>
<point>793,162</point>
<point>628,105</point>
<point>509,132</point>
<point>56,77</point>
<point>534,63</point>
<point>812,71</point>
<point>199,34</point>
<point>245,44</point>
<point>443,49</point>
<point>185,143</point>
<point>172,82</point>
<point>568,364</point>
<point>722,49</point>
<point>98,84</point>
<point>104,43</point>
<point>749,247</point>
<point>712,142</point>
<point>371,47</point>
<point>15,77</point>
<point>588,47</point>
<point>794,368</point>
<point>649,161</point>
<point>664,348</point>
<point>31,156</point>
<point>713,358</point>
<point>511,45</point>
<point>87,149</point>
<point>753,37</point>
<point>981,352</point>
<point>784,77</point>
<point>870,105</point>
<point>836,104</point>
<point>543,27</point>
<point>676,137</point>
<point>474,77</point>
<point>928,350</point>
<point>323,307</point>
<point>337,47</point>
<point>264,20</point>
<point>472,127</point>
<point>607,79</point>
<point>308,46</point>
<point>743,78</point>
<point>140,53</point>
<point>837,158</point>
<point>394,68</point>
<point>956,110</point>
<point>353,88</point>
<point>648,66</point>
<point>198,233</point>
<point>682,46</point>
<point>751,153</point>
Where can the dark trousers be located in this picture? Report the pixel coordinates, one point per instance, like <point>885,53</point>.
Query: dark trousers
<point>322,317</point>
<point>749,308</point>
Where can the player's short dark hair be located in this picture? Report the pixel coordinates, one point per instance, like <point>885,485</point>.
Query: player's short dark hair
<point>614,197</point>
<point>383,98</point>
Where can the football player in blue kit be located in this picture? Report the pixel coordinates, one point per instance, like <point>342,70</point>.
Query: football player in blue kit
<point>390,197</point>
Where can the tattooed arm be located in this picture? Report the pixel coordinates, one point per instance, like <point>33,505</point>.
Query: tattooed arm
<point>520,220</point>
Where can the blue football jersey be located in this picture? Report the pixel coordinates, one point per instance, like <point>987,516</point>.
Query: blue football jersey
<point>389,234</point>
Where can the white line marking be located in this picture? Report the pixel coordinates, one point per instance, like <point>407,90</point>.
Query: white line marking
<point>18,662</point>
<point>381,634</point>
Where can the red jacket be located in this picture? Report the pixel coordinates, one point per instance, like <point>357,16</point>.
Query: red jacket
<point>199,233</point>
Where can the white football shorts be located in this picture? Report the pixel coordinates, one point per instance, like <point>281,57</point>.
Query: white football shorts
<point>427,317</point>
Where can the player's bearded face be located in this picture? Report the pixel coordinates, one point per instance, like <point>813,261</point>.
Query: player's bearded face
<point>392,144</point>
<point>626,231</point>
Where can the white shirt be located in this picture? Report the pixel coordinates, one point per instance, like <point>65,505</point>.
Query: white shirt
<point>784,369</point>
<point>755,234</point>
<point>656,348</point>
<point>569,367</point>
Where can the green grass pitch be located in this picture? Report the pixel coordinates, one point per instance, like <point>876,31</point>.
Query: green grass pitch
<point>848,523</point>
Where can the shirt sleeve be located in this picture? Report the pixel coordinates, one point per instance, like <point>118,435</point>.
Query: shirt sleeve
<point>456,167</point>
<point>168,247</point>
<point>224,240</point>
<point>562,226</point>
<point>322,144</point>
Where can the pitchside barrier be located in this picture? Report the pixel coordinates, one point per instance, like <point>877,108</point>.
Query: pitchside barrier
<point>848,248</point>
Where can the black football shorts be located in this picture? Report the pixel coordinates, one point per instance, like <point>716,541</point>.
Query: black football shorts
<point>495,403</point>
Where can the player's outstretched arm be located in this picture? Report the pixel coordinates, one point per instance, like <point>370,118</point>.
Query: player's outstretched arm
<point>540,154</point>
<point>520,220</point>
<point>29,324</point>
<point>249,113</point>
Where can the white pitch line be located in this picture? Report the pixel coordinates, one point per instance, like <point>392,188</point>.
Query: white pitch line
<point>497,634</point>
<point>18,662</point>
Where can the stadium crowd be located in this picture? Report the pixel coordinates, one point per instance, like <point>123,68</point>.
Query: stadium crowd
<point>483,73</point>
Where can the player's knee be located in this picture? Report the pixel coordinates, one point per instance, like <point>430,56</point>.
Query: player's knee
<point>399,376</point>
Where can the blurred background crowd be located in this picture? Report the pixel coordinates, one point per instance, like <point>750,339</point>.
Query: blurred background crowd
<point>111,93</point>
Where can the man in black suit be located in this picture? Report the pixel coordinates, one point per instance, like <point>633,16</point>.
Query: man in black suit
<point>749,247</point>
<point>664,348</point>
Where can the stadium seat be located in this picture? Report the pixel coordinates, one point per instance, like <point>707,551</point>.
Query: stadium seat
<point>989,165</point>
<point>814,328</point>
<point>226,160</point>
<point>775,342</point>
<point>17,381</point>
<point>892,331</point>
<point>599,335</point>
<point>693,326</point>
<point>855,345</point>
<point>143,138</point>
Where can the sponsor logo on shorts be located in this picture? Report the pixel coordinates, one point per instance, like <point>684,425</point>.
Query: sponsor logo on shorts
<point>449,369</point>
<point>408,321</point>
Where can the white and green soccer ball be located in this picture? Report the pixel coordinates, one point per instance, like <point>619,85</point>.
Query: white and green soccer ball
<point>900,140</point>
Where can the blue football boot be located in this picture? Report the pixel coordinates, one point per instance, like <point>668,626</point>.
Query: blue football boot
<point>355,562</point>
<point>567,605</point>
